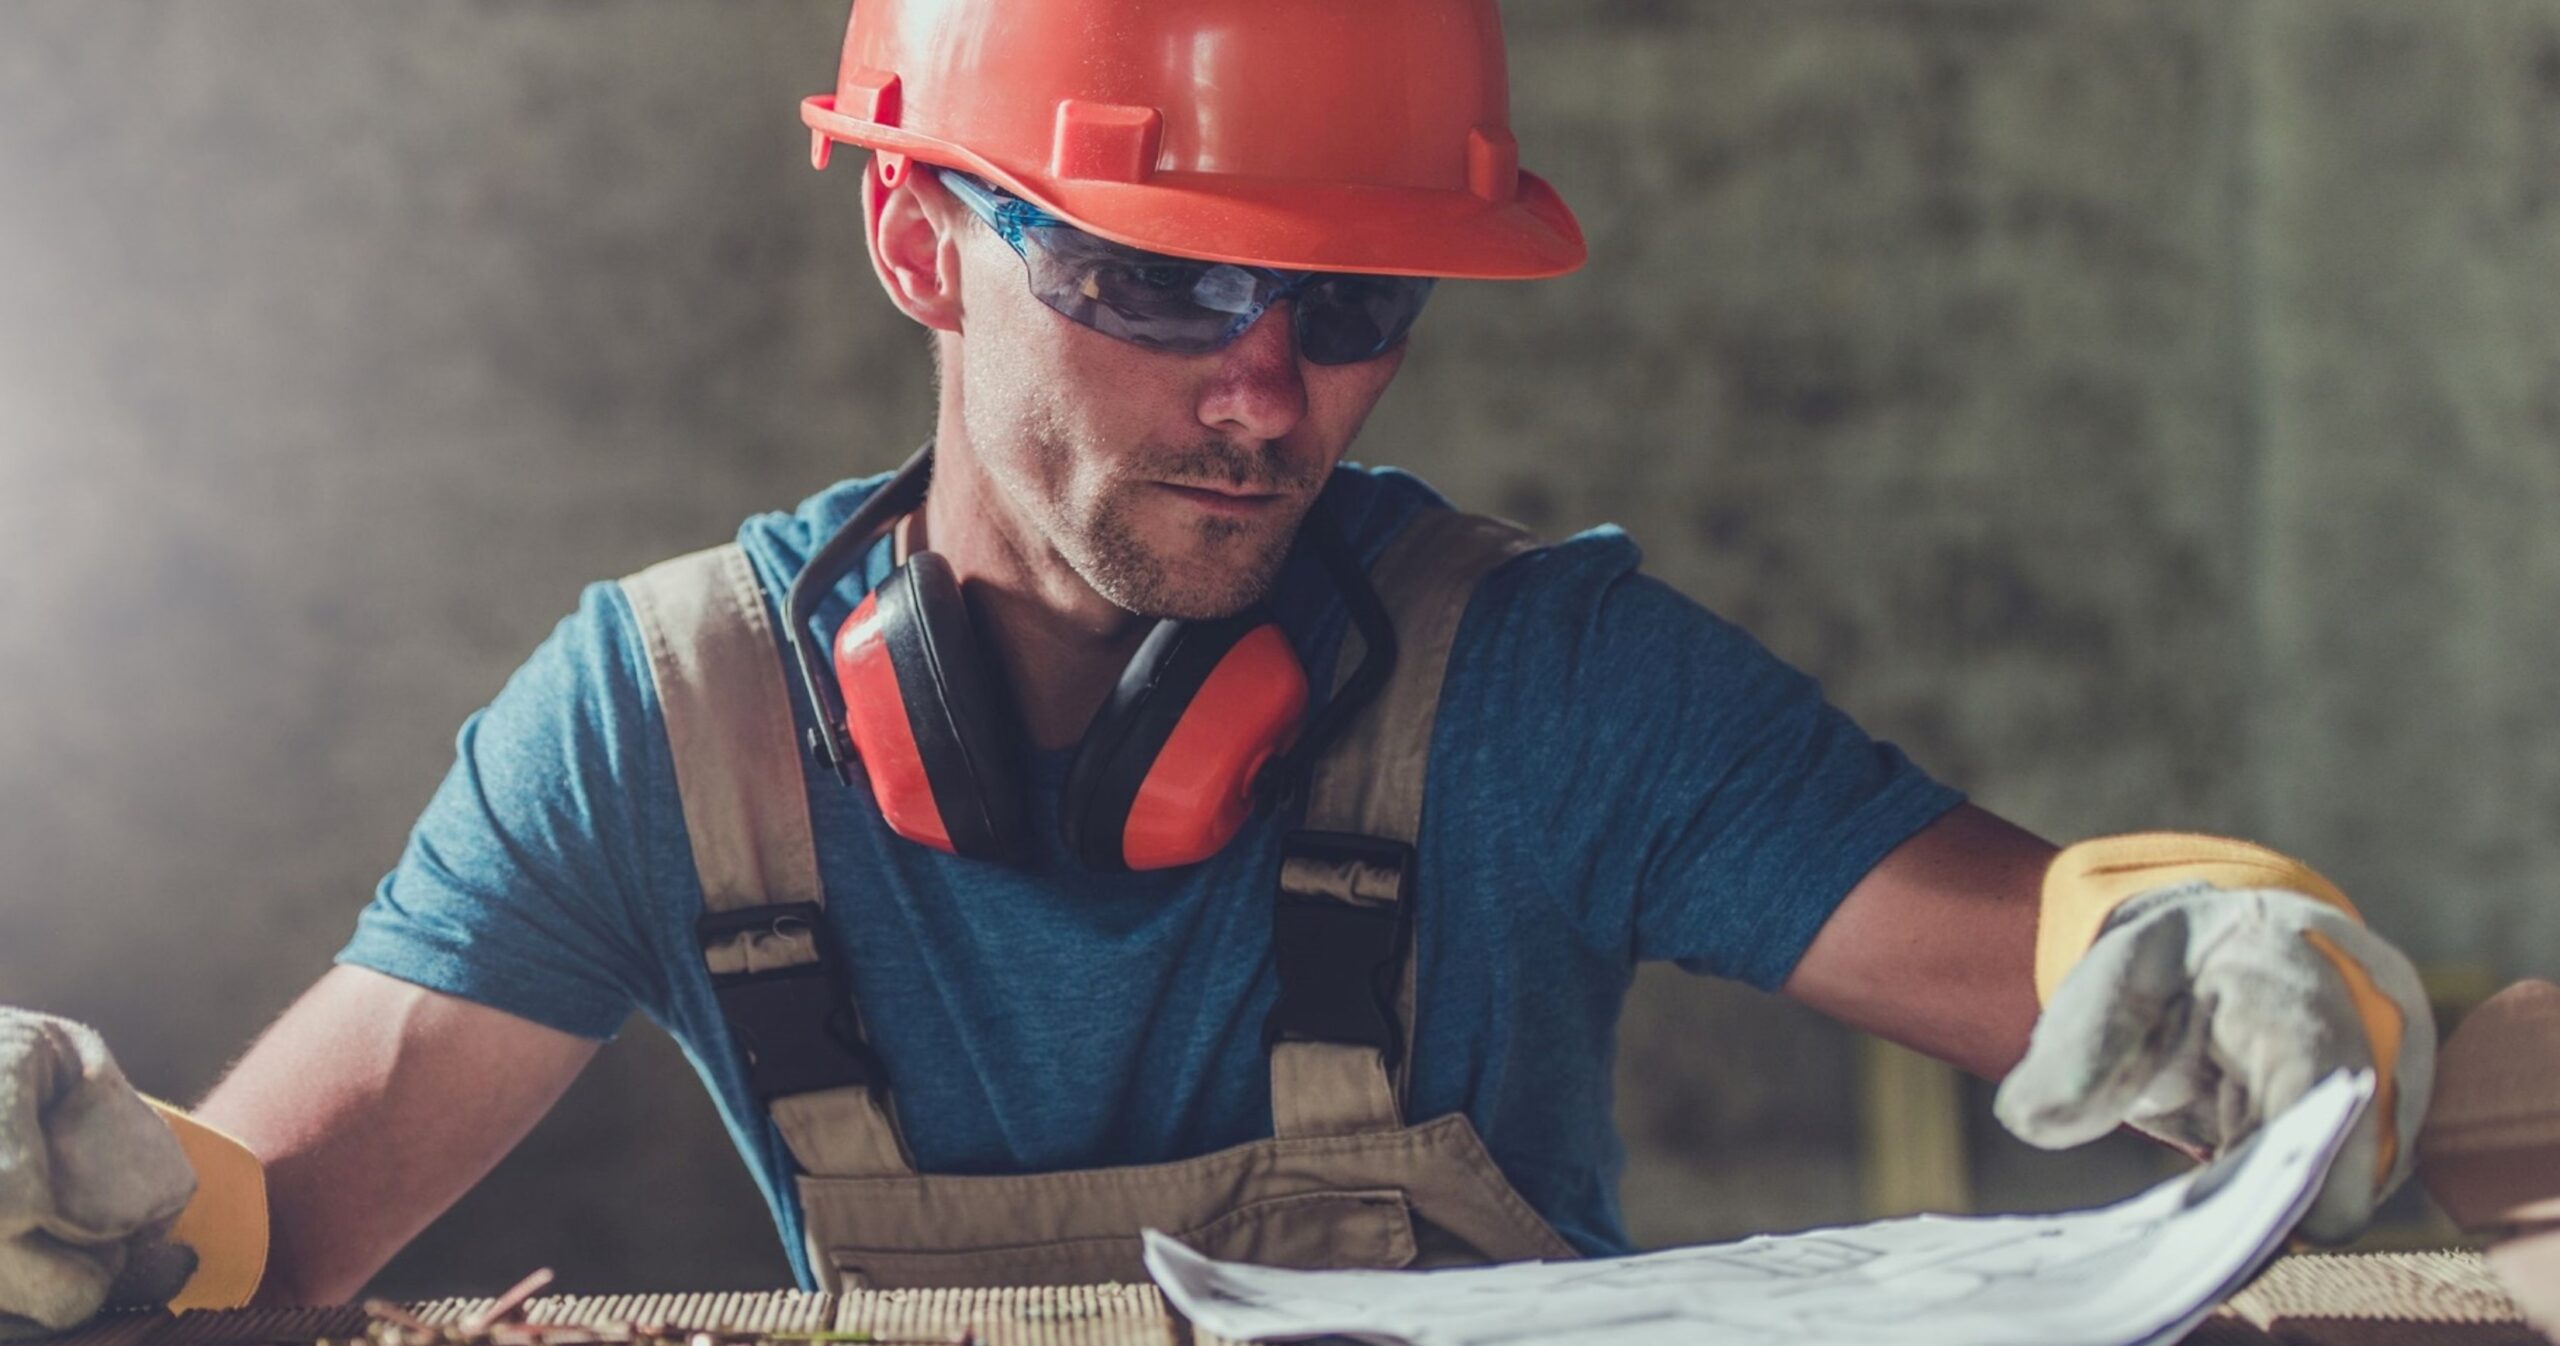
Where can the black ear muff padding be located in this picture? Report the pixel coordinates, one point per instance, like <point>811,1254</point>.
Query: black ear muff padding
<point>1121,745</point>
<point>959,709</point>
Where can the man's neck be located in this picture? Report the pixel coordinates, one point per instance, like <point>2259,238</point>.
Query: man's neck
<point>1060,644</point>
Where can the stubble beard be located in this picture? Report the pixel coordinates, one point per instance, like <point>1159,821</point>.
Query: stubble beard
<point>1228,565</point>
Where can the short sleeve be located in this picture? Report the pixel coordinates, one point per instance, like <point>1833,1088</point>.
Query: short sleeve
<point>1685,794</point>
<point>524,885</point>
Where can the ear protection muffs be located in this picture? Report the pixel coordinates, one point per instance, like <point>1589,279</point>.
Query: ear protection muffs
<point>1171,767</point>
<point>931,717</point>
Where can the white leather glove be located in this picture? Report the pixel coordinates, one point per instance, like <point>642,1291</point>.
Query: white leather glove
<point>90,1180</point>
<point>2199,1012</point>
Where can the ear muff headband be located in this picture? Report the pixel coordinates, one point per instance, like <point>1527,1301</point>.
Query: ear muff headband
<point>904,491</point>
<point>958,710</point>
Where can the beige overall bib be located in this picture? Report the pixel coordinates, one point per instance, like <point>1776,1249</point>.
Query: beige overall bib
<point>1344,1182</point>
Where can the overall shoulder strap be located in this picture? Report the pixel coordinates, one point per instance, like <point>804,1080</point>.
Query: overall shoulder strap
<point>727,709</point>
<point>1342,1033</point>
<point>728,718</point>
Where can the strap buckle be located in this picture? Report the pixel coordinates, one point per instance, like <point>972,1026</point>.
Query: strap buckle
<point>796,1026</point>
<point>1338,935</point>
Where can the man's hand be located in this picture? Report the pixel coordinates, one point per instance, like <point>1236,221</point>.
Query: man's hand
<point>90,1180</point>
<point>2199,1012</point>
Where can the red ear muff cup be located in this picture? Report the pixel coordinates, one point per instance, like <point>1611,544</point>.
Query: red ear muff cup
<point>875,718</point>
<point>1164,775</point>
<point>957,715</point>
<point>1200,791</point>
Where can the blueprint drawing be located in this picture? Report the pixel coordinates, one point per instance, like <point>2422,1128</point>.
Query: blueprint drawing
<point>2143,1271</point>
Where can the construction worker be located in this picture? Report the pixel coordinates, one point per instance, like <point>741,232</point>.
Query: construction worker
<point>1034,845</point>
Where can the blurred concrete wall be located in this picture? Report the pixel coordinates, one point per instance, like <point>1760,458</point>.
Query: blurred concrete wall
<point>2142,410</point>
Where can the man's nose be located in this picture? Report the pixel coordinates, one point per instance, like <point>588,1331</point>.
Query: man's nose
<point>1258,391</point>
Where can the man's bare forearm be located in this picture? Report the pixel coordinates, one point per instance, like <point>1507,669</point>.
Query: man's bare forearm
<point>374,1106</point>
<point>1935,948</point>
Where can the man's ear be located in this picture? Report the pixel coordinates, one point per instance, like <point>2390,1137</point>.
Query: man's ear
<point>916,257</point>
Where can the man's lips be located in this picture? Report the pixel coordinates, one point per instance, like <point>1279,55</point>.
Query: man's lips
<point>1221,488</point>
<point>1226,499</point>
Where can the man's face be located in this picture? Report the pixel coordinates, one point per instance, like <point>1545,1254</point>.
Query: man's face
<point>1172,484</point>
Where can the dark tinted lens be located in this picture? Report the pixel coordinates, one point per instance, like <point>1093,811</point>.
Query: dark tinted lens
<point>1346,319</point>
<point>1168,303</point>
<point>1190,306</point>
<point>1153,287</point>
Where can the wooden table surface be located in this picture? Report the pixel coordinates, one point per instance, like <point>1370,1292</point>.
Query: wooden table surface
<point>2404,1299</point>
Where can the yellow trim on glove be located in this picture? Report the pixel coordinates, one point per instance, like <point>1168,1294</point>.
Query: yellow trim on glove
<point>2383,1026</point>
<point>226,1223</point>
<point>2087,882</point>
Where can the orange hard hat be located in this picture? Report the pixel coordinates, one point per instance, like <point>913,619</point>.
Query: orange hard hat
<point>1318,135</point>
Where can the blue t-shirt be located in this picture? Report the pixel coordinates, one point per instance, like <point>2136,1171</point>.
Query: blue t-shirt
<point>1616,775</point>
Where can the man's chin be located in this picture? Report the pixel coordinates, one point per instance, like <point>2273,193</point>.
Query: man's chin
<point>1217,568</point>
<point>1192,603</point>
<point>1196,588</point>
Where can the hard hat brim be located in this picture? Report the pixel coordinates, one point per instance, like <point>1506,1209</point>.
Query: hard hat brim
<point>1299,226</point>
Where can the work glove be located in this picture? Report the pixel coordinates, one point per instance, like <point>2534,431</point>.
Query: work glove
<point>2207,1004</point>
<point>90,1180</point>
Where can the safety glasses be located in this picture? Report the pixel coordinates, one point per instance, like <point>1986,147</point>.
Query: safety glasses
<point>1186,305</point>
